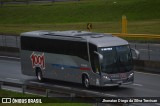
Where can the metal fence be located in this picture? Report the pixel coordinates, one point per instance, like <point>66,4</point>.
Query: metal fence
<point>147,51</point>
<point>9,41</point>
<point>27,2</point>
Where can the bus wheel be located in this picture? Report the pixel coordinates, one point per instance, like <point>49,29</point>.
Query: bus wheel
<point>86,82</point>
<point>39,75</point>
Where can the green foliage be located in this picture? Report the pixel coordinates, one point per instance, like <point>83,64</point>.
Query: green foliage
<point>83,11</point>
<point>143,16</point>
<point>4,93</point>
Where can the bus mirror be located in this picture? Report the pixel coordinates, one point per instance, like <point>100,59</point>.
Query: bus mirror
<point>135,54</point>
<point>100,56</point>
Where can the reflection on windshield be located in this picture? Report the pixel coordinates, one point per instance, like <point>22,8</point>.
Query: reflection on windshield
<point>116,59</point>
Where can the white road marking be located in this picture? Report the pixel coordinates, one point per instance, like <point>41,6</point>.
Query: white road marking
<point>100,93</point>
<point>157,104</point>
<point>12,79</point>
<point>89,91</point>
<point>137,84</point>
<point>9,89</point>
<point>147,73</point>
<point>36,82</point>
<point>110,95</point>
<point>145,50</point>
<point>62,86</point>
<point>10,57</point>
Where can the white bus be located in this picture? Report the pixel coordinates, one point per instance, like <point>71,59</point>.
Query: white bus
<point>77,56</point>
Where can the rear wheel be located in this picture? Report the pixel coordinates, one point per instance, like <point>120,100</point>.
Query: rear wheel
<point>86,82</point>
<point>39,75</point>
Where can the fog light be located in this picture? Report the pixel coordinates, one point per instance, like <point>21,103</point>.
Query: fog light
<point>131,75</point>
<point>106,77</point>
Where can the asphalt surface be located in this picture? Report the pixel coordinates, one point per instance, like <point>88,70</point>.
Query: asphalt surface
<point>10,70</point>
<point>146,85</point>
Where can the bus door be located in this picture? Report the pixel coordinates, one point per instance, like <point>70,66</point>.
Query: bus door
<point>97,66</point>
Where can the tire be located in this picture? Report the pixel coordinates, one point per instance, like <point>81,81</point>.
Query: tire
<point>86,82</point>
<point>39,75</point>
<point>116,87</point>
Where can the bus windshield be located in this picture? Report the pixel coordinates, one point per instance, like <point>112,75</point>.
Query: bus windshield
<point>116,59</point>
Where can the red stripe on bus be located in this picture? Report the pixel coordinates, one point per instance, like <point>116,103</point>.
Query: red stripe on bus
<point>83,68</point>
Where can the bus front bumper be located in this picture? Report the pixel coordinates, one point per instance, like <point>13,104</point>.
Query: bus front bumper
<point>117,84</point>
<point>116,81</point>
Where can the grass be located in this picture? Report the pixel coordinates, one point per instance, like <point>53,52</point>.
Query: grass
<point>46,104</point>
<point>97,27</point>
<point>141,27</point>
<point>143,16</point>
<point>4,93</point>
<point>76,12</point>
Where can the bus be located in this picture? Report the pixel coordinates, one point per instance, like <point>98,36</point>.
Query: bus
<point>82,57</point>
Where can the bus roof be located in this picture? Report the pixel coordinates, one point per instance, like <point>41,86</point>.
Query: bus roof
<point>99,39</point>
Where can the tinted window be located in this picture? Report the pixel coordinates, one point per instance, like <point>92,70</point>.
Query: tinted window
<point>116,59</point>
<point>75,48</point>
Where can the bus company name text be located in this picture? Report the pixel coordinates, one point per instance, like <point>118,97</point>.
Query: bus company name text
<point>38,60</point>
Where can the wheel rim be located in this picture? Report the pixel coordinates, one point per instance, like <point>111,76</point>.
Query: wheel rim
<point>39,76</point>
<point>86,82</point>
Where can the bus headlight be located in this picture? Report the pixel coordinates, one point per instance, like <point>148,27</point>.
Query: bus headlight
<point>106,77</point>
<point>131,75</point>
